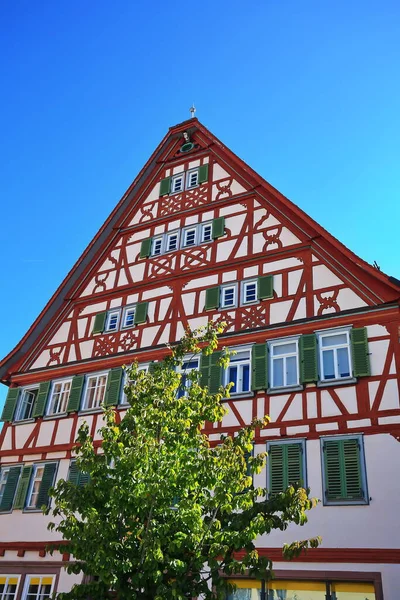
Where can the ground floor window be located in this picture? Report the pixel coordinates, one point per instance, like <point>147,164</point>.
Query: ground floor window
<point>303,590</point>
<point>8,587</point>
<point>38,587</point>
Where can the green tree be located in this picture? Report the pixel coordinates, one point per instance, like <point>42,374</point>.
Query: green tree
<point>165,514</point>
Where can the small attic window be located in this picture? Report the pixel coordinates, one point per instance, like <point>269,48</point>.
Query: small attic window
<point>178,182</point>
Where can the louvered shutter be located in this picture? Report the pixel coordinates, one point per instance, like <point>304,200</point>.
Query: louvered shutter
<point>74,400</point>
<point>45,484</point>
<point>165,186</point>
<point>259,363</point>
<point>205,362</point>
<point>294,461</point>
<point>145,248</point>
<point>99,322</point>
<point>113,390</point>
<point>265,287</point>
<point>308,358</point>
<point>359,352</point>
<point>41,400</point>
<point>141,312</point>
<point>84,479</point>
<point>211,372</point>
<point>352,469</point>
<point>20,496</point>
<point>212,298</point>
<point>10,487</point>
<point>203,173</point>
<point>10,404</point>
<point>152,367</point>
<point>343,480</point>
<point>73,473</point>
<point>285,466</point>
<point>277,474</point>
<point>218,227</point>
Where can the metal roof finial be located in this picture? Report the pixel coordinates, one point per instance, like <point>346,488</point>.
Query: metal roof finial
<point>192,110</point>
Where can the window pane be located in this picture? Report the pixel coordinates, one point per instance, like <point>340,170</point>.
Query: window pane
<point>284,348</point>
<point>190,237</point>
<point>291,370</point>
<point>250,294</point>
<point>277,372</point>
<point>206,236</point>
<point>245,594</point>
<point>173,242</point>
<point>228,296</point>
<point>245,378</point>
<point>343,362</point>
<point>328,364</point>
<point>334,340</point>
<point>157,244</point>
<point>232,377</point>
<point>353,591</point>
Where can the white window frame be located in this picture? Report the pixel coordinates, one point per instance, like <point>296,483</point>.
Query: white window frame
<point>324,333</point>
<point>182,371</point>
<point>28,389</point>
<point>110,314</point>
<point>85,395</point>
<point>123,401</point>
<point>194,228</point>
<point>188,175</point>
<point>32,482</point>
<point>239,364</point>
<point>243,286</point>
<point>126,310</point>
<point>6,595</point>
<point>226,286</point>
<point>167,238</point>
<point>41,576</point>
<point>175,178</point>
<point>50,410</point>
<point>281,342</point>
<point>203,226</point>
<point>154,240</point>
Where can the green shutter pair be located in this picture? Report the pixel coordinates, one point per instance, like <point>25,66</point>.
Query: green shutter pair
<point>265,290</point>
<point>45,485</point>
<point>285,466</point>
<point>76,476</point>
<point>12,400</point>
<point>165,185</point>
<point>141,310</point>
<point>342,470</point>
<point>309,355</point>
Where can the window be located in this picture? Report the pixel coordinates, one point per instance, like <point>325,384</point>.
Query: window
<point>188,366</point>
<point>301,588</point>
<point>190,236</point>
<point>157,246</point>
<point>249,292</point>
<point>112,320</point>
<point>192,178</point>
<point>59,397</point>
<point>283,356</point>
<point>343,470</point>
<point>238,372</point>
<point>228,296</point>
<point>8,587</point>
<point>95,391</point>
<point>35,482</point>
<point>26,403</point>
<point>33,494</point>
<point>124,400</point>
<point>128,317</point>
<point>334,354</point>
<point>38,587</point>
<point>285,465</point>
<point>177,183</point>
<point>172,241</point>
<point>206,233</point>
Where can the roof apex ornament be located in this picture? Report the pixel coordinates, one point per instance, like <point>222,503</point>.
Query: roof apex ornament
<point>192,111</point>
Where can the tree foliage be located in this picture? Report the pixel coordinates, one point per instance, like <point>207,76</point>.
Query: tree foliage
<point>165,513</point>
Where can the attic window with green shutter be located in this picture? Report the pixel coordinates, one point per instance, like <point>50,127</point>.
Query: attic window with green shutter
<point>343,470</point>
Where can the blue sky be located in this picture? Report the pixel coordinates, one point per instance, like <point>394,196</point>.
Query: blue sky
<point>307,93</point>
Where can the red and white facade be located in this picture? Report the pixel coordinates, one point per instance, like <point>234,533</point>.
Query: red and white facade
<point>318,286</point>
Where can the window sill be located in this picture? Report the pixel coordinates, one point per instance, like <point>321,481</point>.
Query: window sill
<point>346,502</point>
<point>239,396</point>
<point>23,421</point>
<point>55,416</point>
<point>90,411</point>
<point>284,390</point>
<point>331,382</point>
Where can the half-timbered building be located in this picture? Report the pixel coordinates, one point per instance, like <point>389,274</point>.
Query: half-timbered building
<point>197,236</point>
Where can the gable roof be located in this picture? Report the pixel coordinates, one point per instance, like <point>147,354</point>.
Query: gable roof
<point>385,289</point>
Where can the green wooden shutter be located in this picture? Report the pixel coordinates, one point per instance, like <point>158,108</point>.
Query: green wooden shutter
<point>215,378</point>
<point>99,322</point>
<point>359,352</point>
<point>285,466</point>
<point>276,469</point>
<point>308,358</point>
<point>265,287</point>
<point>343,480</point>
<point>84,479</point>
<point>114,383</point>
<point>141,312</point>
<point>145,248</point>
<point>152,367</point>
<point>45,485</point>
<point>259,357</point>
<point>10,405</point>
<point>75,394</point>
<point>205,362</point>
<point>218,227</point>
<point>41,400</point>
<point>20,496</point>
<point>212,298</point>
<point>165,186</point>
<point>10,487</point>
<point>73,473</point>
<point>294,462</point>
<point>203,173</point>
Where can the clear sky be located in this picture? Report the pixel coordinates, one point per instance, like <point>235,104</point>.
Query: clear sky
<point>308,93</point>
